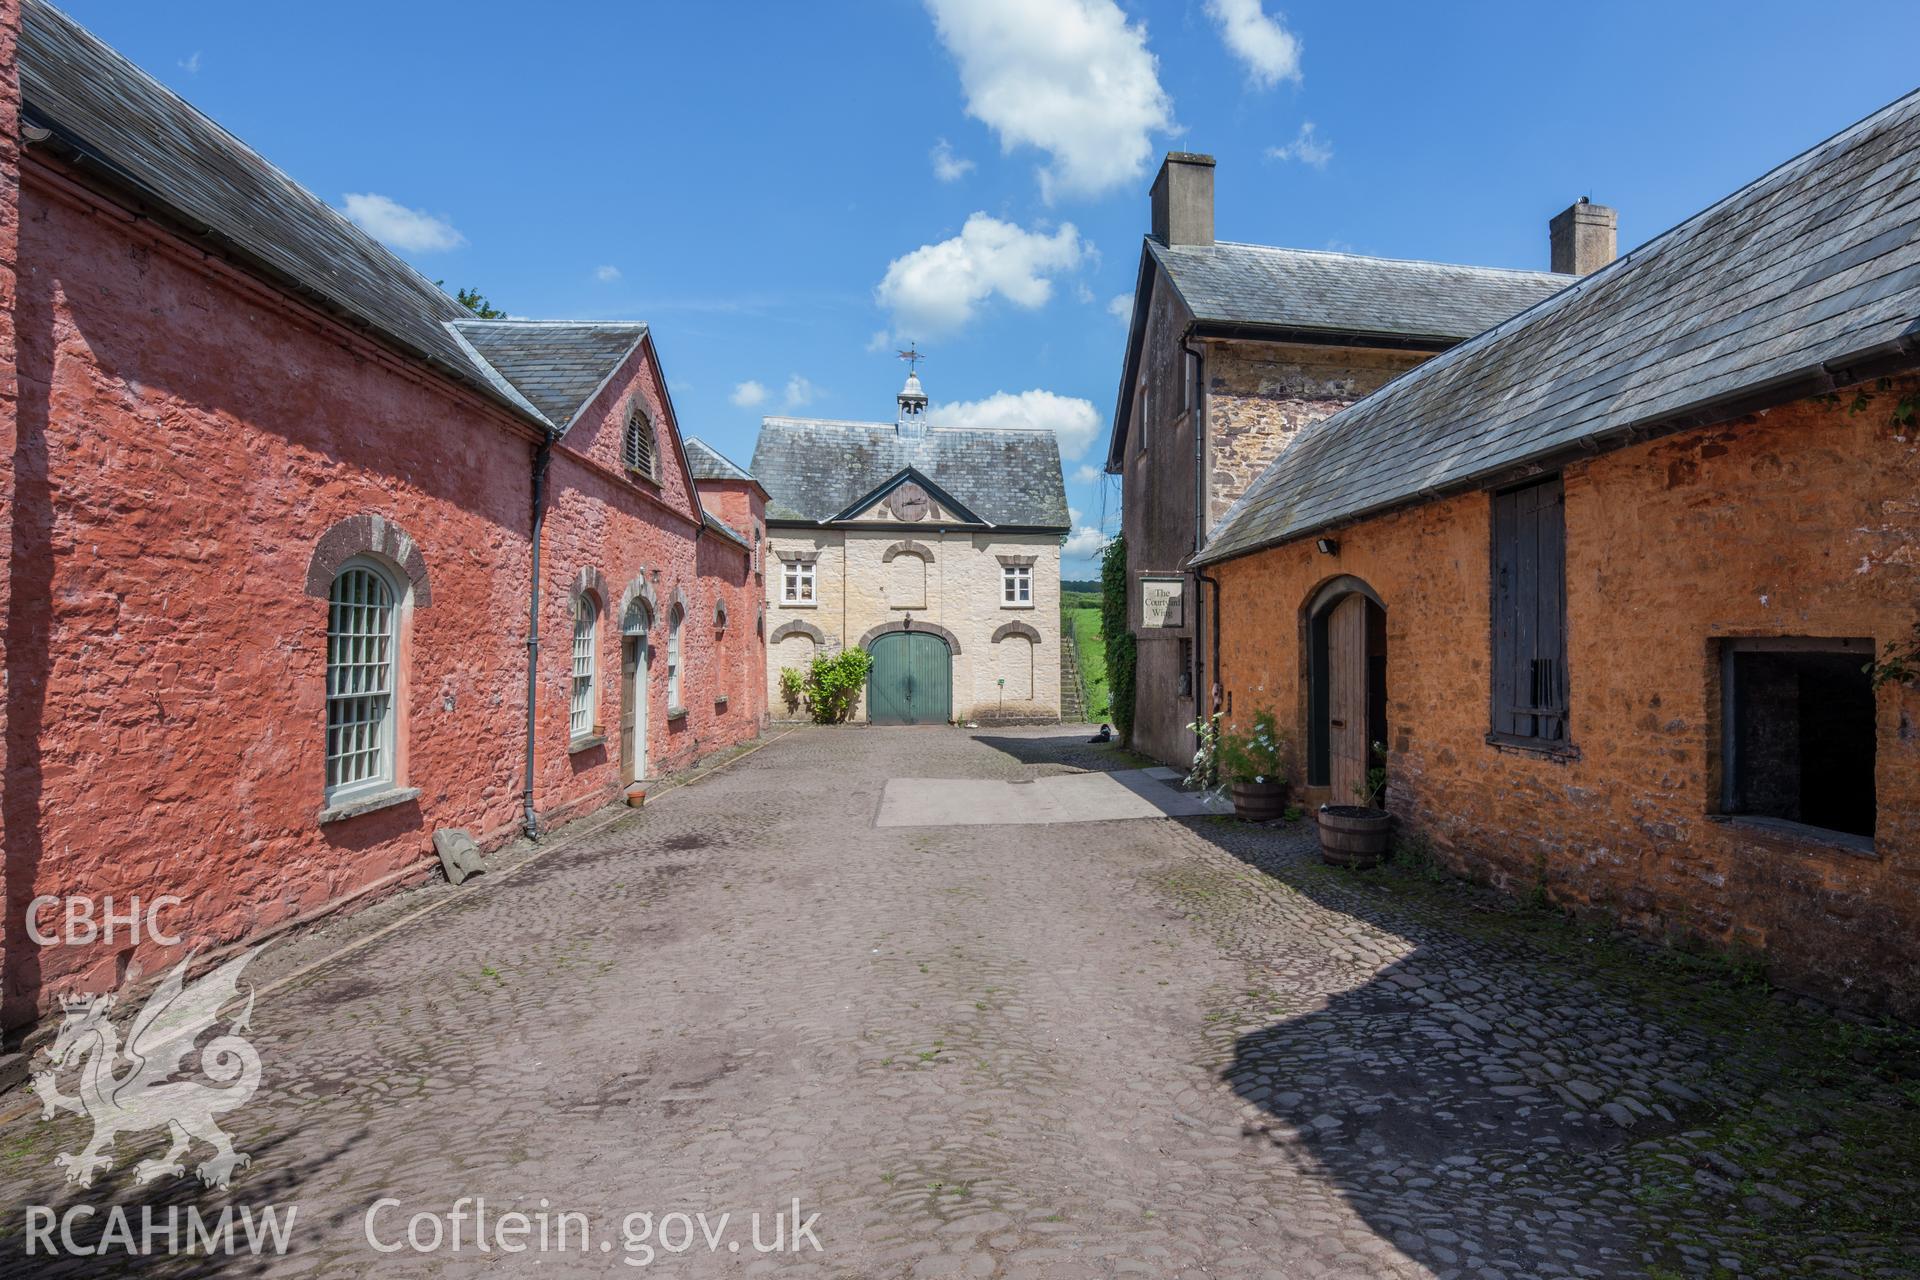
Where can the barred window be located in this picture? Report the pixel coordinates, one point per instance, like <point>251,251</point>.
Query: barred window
<point>639,449</point>
<point>674,619</point>
<point>586,630</point>
<point>360,656</point>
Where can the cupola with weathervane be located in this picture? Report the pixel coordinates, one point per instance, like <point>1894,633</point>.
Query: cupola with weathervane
<point>913,401</point>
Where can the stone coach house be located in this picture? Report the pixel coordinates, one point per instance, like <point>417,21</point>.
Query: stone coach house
<point>278,514</point>
<point>1605,581</point>
<point>1233,349</point>
<point>936,549</point>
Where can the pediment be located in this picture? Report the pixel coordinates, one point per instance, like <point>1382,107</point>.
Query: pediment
<point>907,498</point>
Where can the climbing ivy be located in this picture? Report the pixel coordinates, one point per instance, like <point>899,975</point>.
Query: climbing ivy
<point>1117,635</point>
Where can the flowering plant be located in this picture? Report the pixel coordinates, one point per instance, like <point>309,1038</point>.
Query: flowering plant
<point>1205,773</point>
<point>1259,755</point>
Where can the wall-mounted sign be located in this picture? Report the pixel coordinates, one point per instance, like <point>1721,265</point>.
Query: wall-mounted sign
<point>1163,602</point>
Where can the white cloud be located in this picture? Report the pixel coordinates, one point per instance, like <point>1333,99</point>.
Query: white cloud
<point>1087,473</point>
<point>947,166</point>
<point>799,392</point>
<point>1120,307</point>
<point>606,275</point>
<point>1083,543</point>
<point>1307,147</point>
<point>1073,515</point>
<point>880,341</point>
<point>191,63</point>
<point>398,227</point>
<point>1071,419</point>
<point>748,394</point>
<point>1070,77</point>
<point>1269,51</point>
<point>936,288</point>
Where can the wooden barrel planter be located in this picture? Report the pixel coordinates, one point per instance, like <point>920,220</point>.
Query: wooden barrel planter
<point>1259,801</point>
<point>1354,836</point>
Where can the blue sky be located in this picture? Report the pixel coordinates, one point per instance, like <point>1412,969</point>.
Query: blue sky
<point>786,191</point>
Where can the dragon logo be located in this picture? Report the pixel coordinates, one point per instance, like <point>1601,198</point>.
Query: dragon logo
<point>142,1097</point>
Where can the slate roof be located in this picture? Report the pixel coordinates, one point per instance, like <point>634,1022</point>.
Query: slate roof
<point>707,462</point>
<point>813,469</point>
<point>724,529</point>
<point>559,365</point>
<point>1805,279</point>
<point>1347,293</point>
<point>142,135</point>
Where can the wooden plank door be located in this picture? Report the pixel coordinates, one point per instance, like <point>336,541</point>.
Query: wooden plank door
<point>930,679</point>
<point>1347,699</point>
<point>632,711</point>
<point>888,684</point>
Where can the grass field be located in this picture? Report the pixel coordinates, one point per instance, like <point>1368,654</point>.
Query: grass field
<point>1080,611</point>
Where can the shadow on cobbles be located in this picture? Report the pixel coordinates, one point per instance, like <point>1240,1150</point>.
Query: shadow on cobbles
<point>1499,1091</point>
<point>282,1167</point>
<point>1069,749</point>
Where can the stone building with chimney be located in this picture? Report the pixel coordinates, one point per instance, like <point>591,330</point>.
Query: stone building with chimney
<point>1628,586</point>
<point>936,549</point>
<point>1233,348</point>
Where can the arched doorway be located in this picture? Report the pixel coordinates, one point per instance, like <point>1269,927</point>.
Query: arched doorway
<point>1347,684</point>
<point>912,678</point>
<point>634,625</point>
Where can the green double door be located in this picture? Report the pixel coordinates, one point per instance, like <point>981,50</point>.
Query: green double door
<point>912,679</point>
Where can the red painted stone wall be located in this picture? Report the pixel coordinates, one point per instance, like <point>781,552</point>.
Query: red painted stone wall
<point>1799,522</point>
<point>603,521</point>
<point>744,645</point>
<point>198,436</point>
<point>186,437</point>
<point>11,903</point>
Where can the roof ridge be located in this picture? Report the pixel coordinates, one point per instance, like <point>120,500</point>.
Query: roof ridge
<point>1580,286</point>
<point>240,143</point>
<point>1853,284</point>
<point>575,324</point>
<point>890,426</point>
<point>1378,257</point>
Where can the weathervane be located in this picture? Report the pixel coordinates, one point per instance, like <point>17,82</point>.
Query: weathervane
<point>913,357</point>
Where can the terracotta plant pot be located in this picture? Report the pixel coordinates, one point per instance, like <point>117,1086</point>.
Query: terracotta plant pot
<point>1260,801</point>
<point>1352,835</point>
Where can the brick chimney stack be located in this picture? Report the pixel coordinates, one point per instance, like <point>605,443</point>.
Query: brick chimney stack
<point>1585,238</point>
<point>1183,200</point>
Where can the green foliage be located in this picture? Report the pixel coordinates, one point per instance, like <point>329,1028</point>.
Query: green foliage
<point>793,688</point>
<point>474,301</point>
<point>833,685</point>
<point>1900,664</point>
<point>1258,755</point>
<point>1083,620</point>
<point>1374,788</point>
<point>1117,635</point>
<point>1204,772</point>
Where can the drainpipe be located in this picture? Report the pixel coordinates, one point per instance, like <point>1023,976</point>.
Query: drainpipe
<point>542,456</point>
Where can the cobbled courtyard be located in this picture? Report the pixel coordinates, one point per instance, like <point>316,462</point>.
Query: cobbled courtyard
<point>1156,1047</point>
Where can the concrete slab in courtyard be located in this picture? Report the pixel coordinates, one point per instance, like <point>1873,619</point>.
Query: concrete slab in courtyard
<point>1070,797</point>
